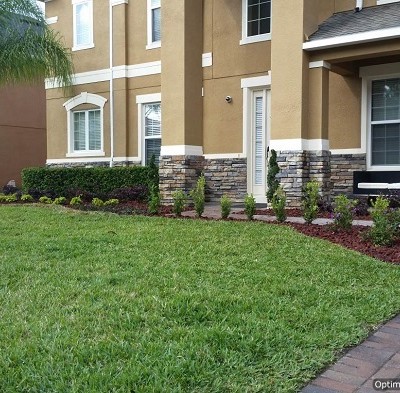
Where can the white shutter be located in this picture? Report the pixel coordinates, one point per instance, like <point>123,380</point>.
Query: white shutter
<point>259,151</point>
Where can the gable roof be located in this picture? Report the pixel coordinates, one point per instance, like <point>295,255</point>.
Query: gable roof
<point>379,17</point>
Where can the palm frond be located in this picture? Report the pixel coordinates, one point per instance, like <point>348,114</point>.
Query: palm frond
<point>29,50</point>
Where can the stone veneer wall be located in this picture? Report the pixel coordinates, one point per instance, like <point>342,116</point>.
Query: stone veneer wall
<point>226,177</point>
<point>342,168</point>
<point>178,172</point>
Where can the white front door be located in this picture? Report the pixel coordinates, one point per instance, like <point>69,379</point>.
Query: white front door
<point>259,144</point>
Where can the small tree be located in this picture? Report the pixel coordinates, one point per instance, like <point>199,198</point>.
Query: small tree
<point>272,181</point>
<point>198,195</point>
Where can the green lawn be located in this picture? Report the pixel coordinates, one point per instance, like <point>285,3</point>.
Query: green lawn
<point>101,303</point>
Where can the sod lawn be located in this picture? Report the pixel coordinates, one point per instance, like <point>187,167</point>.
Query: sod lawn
<point>94,302</point>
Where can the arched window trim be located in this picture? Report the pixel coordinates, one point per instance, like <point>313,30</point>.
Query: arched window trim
<point>84,98</point>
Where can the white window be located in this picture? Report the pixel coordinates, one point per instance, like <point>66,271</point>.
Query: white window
<point>256,21</point>
<point>149,127</point>
<point>83,24</point>
<point>385,123</point>
<point>85,126</point>
<point>153,24</point>
<point>87,130</point>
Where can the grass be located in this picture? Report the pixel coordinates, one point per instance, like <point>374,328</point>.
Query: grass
<point>101,303</point>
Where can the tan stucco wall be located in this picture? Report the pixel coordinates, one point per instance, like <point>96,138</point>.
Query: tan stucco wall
<point>223,122</point>
<point>22,131</point>
<point>344,112</point>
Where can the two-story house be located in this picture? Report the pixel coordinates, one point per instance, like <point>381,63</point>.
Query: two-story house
<point>214,85</point>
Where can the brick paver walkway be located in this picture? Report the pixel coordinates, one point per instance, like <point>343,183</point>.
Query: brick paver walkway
<point>378,357</point>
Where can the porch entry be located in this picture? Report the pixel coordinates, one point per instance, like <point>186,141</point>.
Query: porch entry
<point>259,146</point>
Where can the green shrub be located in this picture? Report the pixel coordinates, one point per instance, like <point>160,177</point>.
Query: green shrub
<point>250,206</point>
<point>226,206</point>
<point>111,202</point>
<point>76,201</point>
<point>154,201</point>
<point>27,198</point>
<point>343,217</point>
<point>386,223</point>
<point>279,204</point>
<point>60,201</point>
<point>99,181</point>
<point>11,198</point>
<point>2,198</point>
<point>272,181</point>
<point>310,201</point>
<point>198,196</point>
<point>46,200</point>
<point>97,202</point>
<point>179,198</point>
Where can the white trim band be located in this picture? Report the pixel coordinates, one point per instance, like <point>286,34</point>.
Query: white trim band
<point>319,64</point>
<point>299,144</point>
<point>118,2</point>
<point>181,150</point>
<point>349,39</point>
<point>136,160</point>
<point>256,81</point>
<point>52,20</point>
<point>224,156</point>
<point>123,71</point>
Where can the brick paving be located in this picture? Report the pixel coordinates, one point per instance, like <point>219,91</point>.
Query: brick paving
<point>377,357</point>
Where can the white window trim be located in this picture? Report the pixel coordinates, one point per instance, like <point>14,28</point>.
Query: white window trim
<point>142,100</point>
<point>252,39</point>
<point>76,47</point>
<point>84,98</point>
<point>369,74</point>
<point>150,43</point>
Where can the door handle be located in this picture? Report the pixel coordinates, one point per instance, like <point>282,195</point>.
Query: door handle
<point>267,152</point>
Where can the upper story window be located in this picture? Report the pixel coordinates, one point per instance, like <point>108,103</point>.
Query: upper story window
<point>153,24</point>
<point>83,24</point>
<point>256,21</point>
<point>385,123</point>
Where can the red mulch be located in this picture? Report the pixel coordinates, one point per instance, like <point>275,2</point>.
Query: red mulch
<point>352,239</point>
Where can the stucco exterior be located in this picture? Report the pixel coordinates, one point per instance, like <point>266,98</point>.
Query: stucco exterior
<point>22,131</point>
<point>312,98</point>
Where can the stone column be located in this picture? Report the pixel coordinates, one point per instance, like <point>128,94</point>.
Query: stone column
<point>181,158</point>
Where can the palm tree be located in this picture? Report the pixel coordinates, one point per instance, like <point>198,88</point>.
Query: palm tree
<point>29,50</point>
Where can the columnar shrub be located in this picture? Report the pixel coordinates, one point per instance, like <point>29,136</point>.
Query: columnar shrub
<point>386,223</point>
<point>179,198</point>
<point>310,201</point>
<point>226,206</point>
<point>198,195</point>
<point>272,181</point>
<point>250,206</point>
<point>279,204</point>
<point>343,217</point>
<point>154,201</point>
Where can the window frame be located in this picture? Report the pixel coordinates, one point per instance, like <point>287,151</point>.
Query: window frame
<point>70,105</point>
<point>150,43</point>
<point>76,47</point>
<point>87,132</point>
<point>141,101</point>
<point>370,123</point>
<point>246,39</point>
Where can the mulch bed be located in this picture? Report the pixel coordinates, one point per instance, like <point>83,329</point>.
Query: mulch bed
<point>352,239</point>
